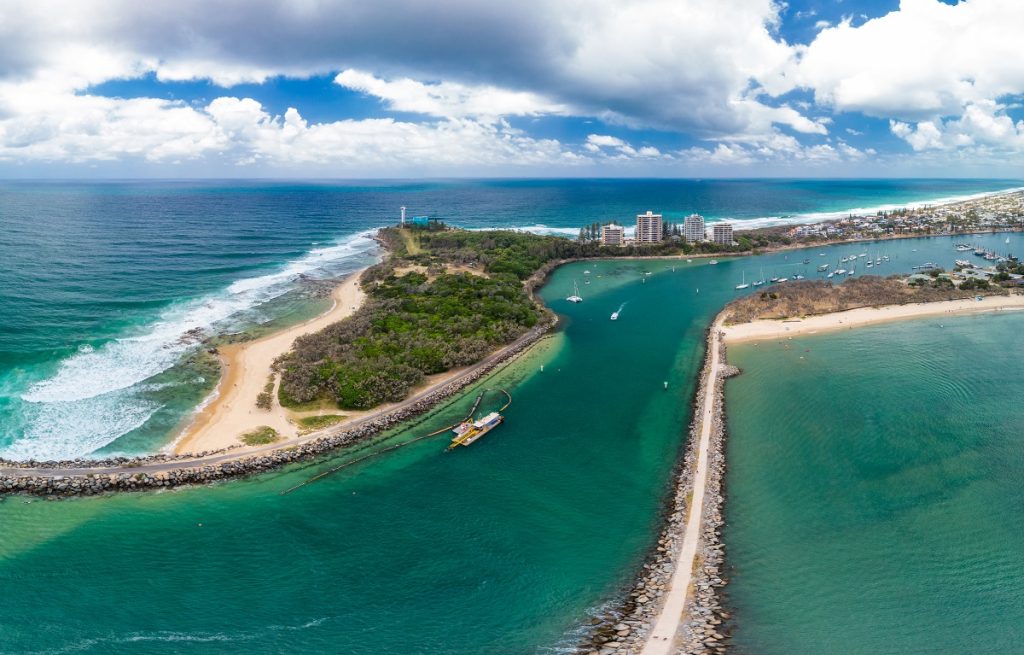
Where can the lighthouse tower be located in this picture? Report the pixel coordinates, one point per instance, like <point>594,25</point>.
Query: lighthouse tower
<point>403,216</point>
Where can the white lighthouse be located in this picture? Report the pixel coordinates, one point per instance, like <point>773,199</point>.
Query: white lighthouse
<point>403,216</point>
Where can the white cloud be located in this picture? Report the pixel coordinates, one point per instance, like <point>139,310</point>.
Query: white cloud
<point>943,74</point>
<point>925,60</point>
<point>449,99</point>
<point>612,147</point>
<point>241,130</point>
<point>982,126</point>
<point>672,64</point>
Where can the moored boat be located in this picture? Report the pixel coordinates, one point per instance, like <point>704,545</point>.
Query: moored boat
<point>469,431</point>
<point>575,297</point>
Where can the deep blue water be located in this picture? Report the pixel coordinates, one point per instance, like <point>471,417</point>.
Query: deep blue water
<point>99,282</point>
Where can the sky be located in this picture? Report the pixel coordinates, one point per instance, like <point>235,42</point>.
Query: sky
<point>531,88</point>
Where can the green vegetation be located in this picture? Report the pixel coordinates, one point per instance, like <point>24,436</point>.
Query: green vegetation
<point>264,399</point>
<point>319,422</point>
<point>260,436</point>
<point>420,319</point>
<point>414,324</point>
<point>811,297</point>
<point>978,283</point>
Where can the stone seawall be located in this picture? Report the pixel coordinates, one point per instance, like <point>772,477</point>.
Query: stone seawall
<point>67,478</point>
<point>624,629</point>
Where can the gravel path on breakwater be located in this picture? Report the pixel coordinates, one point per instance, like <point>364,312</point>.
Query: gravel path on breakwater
<point>82,477</point>
<point>624,629</point>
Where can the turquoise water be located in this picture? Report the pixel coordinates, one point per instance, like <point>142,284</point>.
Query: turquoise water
<point>502,547</point>
<point>875,501</point>
<point>107,288</point>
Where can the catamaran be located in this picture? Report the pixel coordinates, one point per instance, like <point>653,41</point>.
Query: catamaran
<point>575,297</point>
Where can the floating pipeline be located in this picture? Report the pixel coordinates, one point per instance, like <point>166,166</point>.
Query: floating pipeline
<point>623,628</point>
<point>57,481</point>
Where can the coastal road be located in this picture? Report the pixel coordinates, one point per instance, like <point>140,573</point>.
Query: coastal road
<point>242,453</point>
<point>662,639</point>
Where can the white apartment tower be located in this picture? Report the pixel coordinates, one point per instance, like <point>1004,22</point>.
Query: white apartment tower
<point>648,228</point>
<point>693,228</point>
<point>612,235</point>
<point>721,233</point>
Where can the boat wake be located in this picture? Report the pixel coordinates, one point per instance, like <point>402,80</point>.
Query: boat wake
<point>98,394</point>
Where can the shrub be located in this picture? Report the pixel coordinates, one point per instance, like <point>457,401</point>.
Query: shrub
<point>260,436</point>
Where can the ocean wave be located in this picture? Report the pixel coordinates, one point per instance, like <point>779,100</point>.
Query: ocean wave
<point>71,429</point>
<point>822,216</point>
<point>544,229</point>
<point>84,405</point>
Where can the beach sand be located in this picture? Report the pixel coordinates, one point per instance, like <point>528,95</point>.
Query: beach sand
<point>773,329</point>
<point>246,367</point>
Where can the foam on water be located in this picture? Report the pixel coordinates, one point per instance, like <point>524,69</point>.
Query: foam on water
<point>94,397</point>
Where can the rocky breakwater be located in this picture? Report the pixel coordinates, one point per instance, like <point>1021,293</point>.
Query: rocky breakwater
<point>624,629</point>
<point>82,477</point>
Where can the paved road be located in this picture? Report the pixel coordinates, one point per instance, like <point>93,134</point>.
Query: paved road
<point>211,460</point>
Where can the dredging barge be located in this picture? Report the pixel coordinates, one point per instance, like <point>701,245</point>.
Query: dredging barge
<point>469,431</point>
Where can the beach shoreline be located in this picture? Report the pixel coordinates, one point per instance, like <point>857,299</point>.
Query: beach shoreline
<point>231,408</point>
<point>775,329</point>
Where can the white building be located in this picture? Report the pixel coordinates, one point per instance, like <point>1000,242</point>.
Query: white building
<point>721,233</point>
<point>648,228</point>
<point>693,228</point>
<point>612,235</point>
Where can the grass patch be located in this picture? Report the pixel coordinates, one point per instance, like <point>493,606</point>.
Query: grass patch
<point>311,423</point>
<point>412,246</point>
<point>260,436</point>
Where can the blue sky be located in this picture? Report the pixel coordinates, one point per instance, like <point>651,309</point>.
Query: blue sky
<point>689,88</point>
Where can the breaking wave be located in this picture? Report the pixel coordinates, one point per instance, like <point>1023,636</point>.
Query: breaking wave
<point>96,394</point>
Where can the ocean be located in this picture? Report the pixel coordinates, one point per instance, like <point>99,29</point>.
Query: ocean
<point>505,547</point>
<point>889,523</point>
<point>105,286</point>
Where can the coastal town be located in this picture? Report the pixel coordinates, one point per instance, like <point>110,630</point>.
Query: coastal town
<point>988,213</point>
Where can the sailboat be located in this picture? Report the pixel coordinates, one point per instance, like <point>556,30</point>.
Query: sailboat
<point>1007,239</point>
<point>760,281</point>
<point>575,297</point>
<point>744,285</point>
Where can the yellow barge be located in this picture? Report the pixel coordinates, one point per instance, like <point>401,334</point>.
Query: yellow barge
<point>469,431</point>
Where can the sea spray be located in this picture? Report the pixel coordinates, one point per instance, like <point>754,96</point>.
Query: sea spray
<point>97,394</point>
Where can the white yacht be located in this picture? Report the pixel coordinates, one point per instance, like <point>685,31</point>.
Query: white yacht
<point>575,297</point>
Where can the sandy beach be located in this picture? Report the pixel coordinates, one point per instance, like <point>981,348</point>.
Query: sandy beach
<point>773,329</point>
<point>232,412</point>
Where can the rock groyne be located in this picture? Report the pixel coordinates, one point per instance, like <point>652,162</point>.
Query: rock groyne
<point>82,477</point>
<point>624,629</point>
